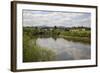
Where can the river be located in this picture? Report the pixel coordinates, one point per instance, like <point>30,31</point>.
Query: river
<point>65,49</point>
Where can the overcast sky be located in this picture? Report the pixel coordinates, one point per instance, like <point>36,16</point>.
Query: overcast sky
<point>52,18</point>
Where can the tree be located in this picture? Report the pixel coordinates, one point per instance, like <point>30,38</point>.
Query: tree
<point>55,27</point>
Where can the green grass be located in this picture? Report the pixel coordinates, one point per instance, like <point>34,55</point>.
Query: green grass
<point>34,53</point>
<point>34,31</point>
<point>84,40</point>
<point>79,36</point>
<point>76,33</point>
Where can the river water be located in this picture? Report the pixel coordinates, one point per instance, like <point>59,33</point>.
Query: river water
<point>65,49</point>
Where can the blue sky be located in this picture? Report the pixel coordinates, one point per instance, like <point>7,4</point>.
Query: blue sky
<point>53,18</point>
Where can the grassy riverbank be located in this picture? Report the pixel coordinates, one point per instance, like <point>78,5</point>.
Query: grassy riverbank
<point>34,53</point>
<point>75,34</point>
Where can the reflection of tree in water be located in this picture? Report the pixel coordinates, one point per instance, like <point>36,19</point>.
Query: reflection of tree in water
<point>47,36</point>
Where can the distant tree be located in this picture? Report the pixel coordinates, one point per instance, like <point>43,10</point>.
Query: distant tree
<point>55,27</point>
<point>36,28</point>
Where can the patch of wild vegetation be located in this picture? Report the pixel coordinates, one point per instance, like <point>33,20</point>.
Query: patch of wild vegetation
<point>35,53</point>
<point>79,34</point>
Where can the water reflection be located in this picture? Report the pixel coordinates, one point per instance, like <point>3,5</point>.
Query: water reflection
<point>65,49</point>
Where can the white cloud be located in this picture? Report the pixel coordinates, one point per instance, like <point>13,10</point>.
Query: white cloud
<point>48,18</point>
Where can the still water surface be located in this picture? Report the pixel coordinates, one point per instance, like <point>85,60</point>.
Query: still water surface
<point>65,49</point>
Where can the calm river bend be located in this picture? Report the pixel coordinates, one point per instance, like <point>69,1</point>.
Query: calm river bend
<point>66,50</point>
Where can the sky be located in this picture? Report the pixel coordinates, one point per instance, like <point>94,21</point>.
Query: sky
<point>56,18</point>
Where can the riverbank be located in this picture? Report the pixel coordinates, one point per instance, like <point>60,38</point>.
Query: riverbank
<point>35,53</point>
<point>85,40</point>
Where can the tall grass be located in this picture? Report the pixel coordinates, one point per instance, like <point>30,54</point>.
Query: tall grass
<point>35,53</point>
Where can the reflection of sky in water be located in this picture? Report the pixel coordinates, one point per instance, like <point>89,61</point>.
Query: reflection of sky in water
<point>65,50</point>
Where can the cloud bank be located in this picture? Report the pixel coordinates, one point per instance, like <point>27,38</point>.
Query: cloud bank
<point>52,18</point>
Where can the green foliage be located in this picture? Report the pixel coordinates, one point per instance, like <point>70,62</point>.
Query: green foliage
<point>35,53</point>
<point>76,33</point>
